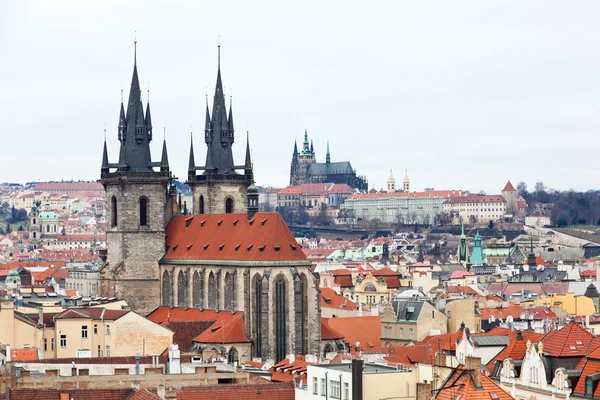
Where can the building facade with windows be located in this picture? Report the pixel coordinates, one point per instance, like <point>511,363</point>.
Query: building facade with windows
<point>405,321</point>
<point>475,208</point>
<point>408,208</point>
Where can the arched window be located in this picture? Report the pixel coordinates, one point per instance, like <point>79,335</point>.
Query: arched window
<point>301,313</point>
<point>258,316</point>
<point>229,205</point>
<point>198,291</point>
<point>166,289</point>
<point>212,291</point>
<point>232,356</point>
<point>230,291</point>
<point>181,289</point>
<point>280,319</point>
<point>201,204</point>
<point>34,221</point>
<point>113,208</point>
<point>143,211</point>
<point>34,234</point>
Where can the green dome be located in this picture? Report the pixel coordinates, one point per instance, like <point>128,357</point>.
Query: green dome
<point>252,189</point>
<point>13,272</point>
<point>48,215</point>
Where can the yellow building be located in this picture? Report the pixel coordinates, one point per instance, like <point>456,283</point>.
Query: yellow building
<point>83,332</point>
<point>571,304</point>
<point>370,290</point>
<point>463,311</point>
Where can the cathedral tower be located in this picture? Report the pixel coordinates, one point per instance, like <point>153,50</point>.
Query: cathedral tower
<point>391,183</point>
<point>219,189</point>
<point>138,208</point>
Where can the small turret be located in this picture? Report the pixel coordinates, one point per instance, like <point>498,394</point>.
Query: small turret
<point>164,160</point>
<point>252,195</point>
<point>104,168</point>
<point>328,156</point>
<point>192,162</point>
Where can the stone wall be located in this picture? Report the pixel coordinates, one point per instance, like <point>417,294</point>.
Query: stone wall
<point>216,192</point>
<point>131,271</point>
<point>245,298</point>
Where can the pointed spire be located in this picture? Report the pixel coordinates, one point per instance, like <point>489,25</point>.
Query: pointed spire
<point>312,147</point>
<point>230,119</point>
<point>192,164</point>
<point>305,147</point>
<point>148,118</point>
<point>248,164</point>
<point>135,49</point>
<point>164,161</point>
<point>295,148</point>
<point>104,167</point>
<point>122,121</point>
<point>328,156</point>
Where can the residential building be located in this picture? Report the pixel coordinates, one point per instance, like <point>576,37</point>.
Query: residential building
<point>537,219</point>
<point>463,312</point>
<point>475,208</point>
<point>405,321</point>
<point>335,381</point>
<point>84,281</point>
<point>409,208</point>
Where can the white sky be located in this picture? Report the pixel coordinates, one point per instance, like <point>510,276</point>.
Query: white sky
<point>463,94</point>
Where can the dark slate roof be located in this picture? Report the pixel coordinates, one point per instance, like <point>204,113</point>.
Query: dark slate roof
<point>591,291</point>
<point>342,167</point>
<point>407,310</point>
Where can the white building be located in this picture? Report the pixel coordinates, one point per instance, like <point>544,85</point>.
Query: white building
<point>409,208</point>
<point>481,208</point>
<point>537,220</point>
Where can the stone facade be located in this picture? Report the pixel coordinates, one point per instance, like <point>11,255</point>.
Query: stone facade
<point>236,289</point>
<point>212,195</point>
<point>131,270</point>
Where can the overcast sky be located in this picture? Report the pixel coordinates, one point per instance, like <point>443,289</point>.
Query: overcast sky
<point>465,95</point>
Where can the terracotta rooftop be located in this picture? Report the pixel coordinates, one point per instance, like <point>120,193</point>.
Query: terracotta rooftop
<point>91,313</point>
<point>74,394</point>
<point>509,187</point>
<point>516,348</point>
<point>476,198</point>
<point>266,391</point>
<point>330,299</point>
<point>364,329</point>
<point>460,385</point>
<point>232,237</point>
<point>570,341</point>
<point>27,354</point>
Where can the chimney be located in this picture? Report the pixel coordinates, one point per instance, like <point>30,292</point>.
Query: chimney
<point>357,379</point>
<point>473,365</point>
<point>423,391</point>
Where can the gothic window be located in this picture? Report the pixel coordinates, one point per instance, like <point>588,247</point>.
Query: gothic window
<point>113,203</point>
<point>201,204</point>
<point>166,289</point>
<point>258,316</point>
<point>232,356</point>
<point>212,291</point>
<point>181,289</point>
<point>34,221</point>
<point>230,291</point>
<point>301,311</point>
<point>143,211</point>
<point>229,205</point>
<point>280,319</point>
<point>34,234</point>
<point>198,291</point>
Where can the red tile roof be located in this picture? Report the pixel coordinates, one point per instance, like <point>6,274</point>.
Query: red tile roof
<point>365,329</point>
<point>425,194</point>
<point>91,313</point>
<point>266,391</point>
<point>286,371</point>
<point>516,348</point>
<point>462,289</point>
<point>570,341</point>
<point>460,385</point>
<point>328,333</point>
<point>509,187</point>
<point>231,237</point>
<point>460,274</point>
<point>27,354</point>
<point>330,299</point>
<point>476,198</point>
<point>226,327</point>
<point>75,394</point>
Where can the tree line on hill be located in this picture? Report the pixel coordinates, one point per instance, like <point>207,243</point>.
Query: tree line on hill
<point>569,207</point>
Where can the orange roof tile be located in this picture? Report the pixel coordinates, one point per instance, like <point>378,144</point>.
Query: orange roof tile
<point>509,187</point>
<point>365,329</point>
<point>26,354</point>
<point>517,347</point>
<point>263,391</point>
<point>330,299</point>
<point>570,341</point>
<point>460,386</point>
<point>231,237</point>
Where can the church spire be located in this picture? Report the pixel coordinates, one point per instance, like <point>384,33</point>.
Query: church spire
<point>148,118</point>
<point>164,160</point>
<point>248,163</point>
<point>295,148</point>
<point>328,156</point>
<point>104,167</point>
<point>305,147</point>
<point>312,148</point>
<point>192,163</point>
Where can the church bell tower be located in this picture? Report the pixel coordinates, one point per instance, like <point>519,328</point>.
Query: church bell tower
<point>138,208</point>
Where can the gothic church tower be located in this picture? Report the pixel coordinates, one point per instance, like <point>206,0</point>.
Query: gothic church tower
<point>219,189</point>
<point>139,206</point>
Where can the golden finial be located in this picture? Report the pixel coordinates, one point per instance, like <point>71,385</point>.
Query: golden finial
<point>219,41</point>
<point>121,91</point>
<point>165,130</point>
<point>148,99</point>
<point>134,37</point>
<point>105,131</point>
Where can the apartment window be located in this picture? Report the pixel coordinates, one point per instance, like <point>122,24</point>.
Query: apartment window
<point>346,391</point>
<point>98,350</point>
<point>95,329</point>
<point>335,389</point>
<point>45,344</point>
<point>107,351</point>
<point>315,385</point>
<point>63,341</point>
<point>401,333</point>
<point>323,387</point>
<point>108,329</point>
<point>52,344</point>
<point>410,333</point>
<point>84,331</point>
